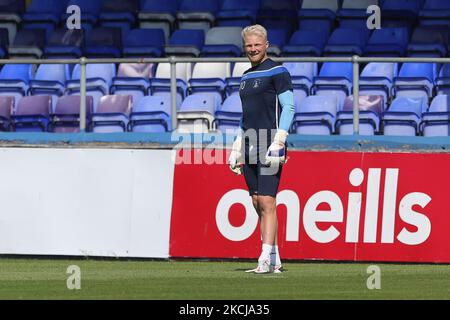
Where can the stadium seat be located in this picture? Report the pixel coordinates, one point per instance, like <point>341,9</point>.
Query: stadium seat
<point>435,12</point>
<point>302,76</point>
<point>90,11</point>
<point>31,114</point>
<point>335,78</point>
<point>377,79</point>
<point>11,12</point>
<point>112,114</point>
<point>346,42</point>
<point>370,112</point>
<point>404,116</point>
<point>277,40</point>
<point>29,43</point>
<point>160,84</point>
<point>44,13</point>
<point>119,14</point>
<point>144,43</point>
<point>157,14</point>
<point>196,113</point>
<point>415,80</point>
<point>65,43</point>
<point>197,14</point>
<point>6,109</point>
<point>104,42</point>
<point>436,121</point>
<point>223,42</point>
<point>307,43</point>
<point>14,80</point>
<point>316,115</point>
<point>209,79</point>
<point>186,42</point>
<point>318,14</point>
<point>400,13</point>
<point>238,13</point>
<point>387,42</point>
<point>429,41</point>
<point>443,80</point>
<point>66,115</point>
<point>50,79</point>
<point>354,13</point>
<point>4,42</point>
<point>98,80</point>
<point>278,14</point>
<point>228,116</point>
<point>151,114</point>
<point>132,79</point>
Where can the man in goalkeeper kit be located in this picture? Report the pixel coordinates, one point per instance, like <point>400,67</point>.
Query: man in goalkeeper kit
<point>259,150</point>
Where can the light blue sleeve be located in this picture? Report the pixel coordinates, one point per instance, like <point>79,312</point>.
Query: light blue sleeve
<point>288,110</point>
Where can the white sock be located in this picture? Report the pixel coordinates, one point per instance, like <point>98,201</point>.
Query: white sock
<point>275,256</point>
<point>265,254</point>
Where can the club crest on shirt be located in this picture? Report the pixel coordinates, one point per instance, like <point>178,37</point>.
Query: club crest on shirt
<point>242,85</point>
<point>256,83</point>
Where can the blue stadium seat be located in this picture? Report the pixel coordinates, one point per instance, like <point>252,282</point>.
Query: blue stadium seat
<point>387,42</point>
<point>435,12</point>
<point>209,79</point>
<point>151,114</point>
<point>90,11</point>
<point>278,14</point>
<point>443,80</point>
<point>132,79</point>
<point>335,78</point>
<point>196,113</point>
<point>223,42</point>
<point>377,79</point>
<point>98,80</point>
<point>415,80</point>
<point>354,13</point>
<point>400,13</point>
<point>157,14</point>
<point>65,43</point>
<point>66,115</point>
<point>119,14</point>
<point>306,43</point>
<point>11,12</point>
<point>160,84</point>
<point>228,116</point>
<point>4,42</point>
<point>302,76</point>
<point>6,109</point>
<point>197,14</point>
<point>144,43</point>
<point>370,112</point>
<point>318,14</point>
<point>404,116</point>
<point>184,42</point>
<point>29,43</point>
<point>46,13</point>
<point>346,42</point>
<point>238,13</point>
<point>316,115</point>
<point>429,41</point>
<point>50,79</point>
<point>14,80</point>
<point>112,114</point>
<point>277,40</point>
<point>31,114</point>
<point>104,42</point>
<point>436,121</point>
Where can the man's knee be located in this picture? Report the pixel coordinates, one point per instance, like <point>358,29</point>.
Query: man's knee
<point>266,204</point>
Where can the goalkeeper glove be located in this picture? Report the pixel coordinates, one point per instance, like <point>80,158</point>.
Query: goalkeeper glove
<point>236,159</point>
<point>276,154</point>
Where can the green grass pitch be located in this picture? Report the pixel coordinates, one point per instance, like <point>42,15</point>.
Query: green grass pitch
<point>183,280</point>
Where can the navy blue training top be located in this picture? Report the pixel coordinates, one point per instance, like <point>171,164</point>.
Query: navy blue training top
<point>260,87</point>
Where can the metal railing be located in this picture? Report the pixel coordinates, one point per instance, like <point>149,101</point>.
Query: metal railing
<point>355,60</point>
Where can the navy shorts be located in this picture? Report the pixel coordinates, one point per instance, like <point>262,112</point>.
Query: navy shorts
<point>261,181</point>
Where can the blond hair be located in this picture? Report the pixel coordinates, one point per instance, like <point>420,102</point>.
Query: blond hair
<point>255,29</point>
